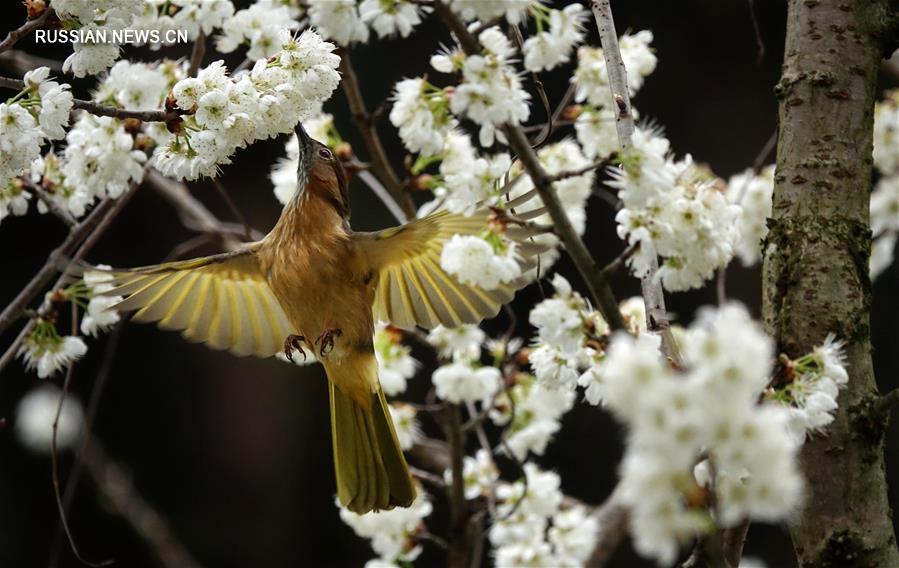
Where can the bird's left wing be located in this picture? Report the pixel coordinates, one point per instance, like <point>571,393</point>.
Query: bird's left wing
<point>413,289</point>
<point>221,300</point>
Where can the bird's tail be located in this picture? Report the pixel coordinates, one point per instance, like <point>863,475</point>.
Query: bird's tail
<point>371,471</point>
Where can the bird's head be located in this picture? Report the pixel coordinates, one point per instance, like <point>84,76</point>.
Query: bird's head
<point>320,173</point>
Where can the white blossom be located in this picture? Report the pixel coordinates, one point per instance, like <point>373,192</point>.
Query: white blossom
<point>100,315</point>
<point>478,474</point>
<point>592,77</point>
<point>472,260</point>
<point>491,93</point>
<point>672,213</point>
<point>460,382</point>
<point>548,49</point>
<point>886,134</point>
<point>391,531</point>
<point>235,111</point>
<point>395,362</point>
<point>753,194</point>
<point>388,17</point>
<point>36,413</point>
<point>538,410</point>
<point>49,354</point>
<point>421,113</point>
<point>597,131</point>
<point>338,20</point>
<point>711,406</point>
<point>462,343</point>
<point>513,11</point>
<point>573,535</point>
<point>408,431</point>
<point>258,26</point>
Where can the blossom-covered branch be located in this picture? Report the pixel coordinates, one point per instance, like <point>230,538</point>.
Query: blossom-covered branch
<point>598,285</point>
<point>653,295</point>
<point>22,31</point>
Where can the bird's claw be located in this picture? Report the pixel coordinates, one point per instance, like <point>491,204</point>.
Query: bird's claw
<point>326,339</point>
<point>294,343</point>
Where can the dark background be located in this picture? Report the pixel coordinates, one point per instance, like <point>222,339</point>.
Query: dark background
<point>236,452</point>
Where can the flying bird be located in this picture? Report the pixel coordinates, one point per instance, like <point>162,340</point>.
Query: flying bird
<point>314,283</point>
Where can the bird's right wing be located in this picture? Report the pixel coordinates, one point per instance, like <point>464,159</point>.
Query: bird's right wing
<point>412,287</point>
<point>221,300</point>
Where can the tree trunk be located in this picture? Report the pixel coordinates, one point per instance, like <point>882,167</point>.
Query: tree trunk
<point>816,267</point>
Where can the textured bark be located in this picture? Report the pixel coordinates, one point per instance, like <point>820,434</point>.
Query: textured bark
<point>816,267</point>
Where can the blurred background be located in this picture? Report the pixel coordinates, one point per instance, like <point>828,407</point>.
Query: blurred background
<point>235,453</point>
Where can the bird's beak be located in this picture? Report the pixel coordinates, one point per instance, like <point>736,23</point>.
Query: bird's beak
<point>302,135</point>
<point>306,152</point>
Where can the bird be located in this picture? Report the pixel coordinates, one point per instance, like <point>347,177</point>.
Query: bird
<point>314,283</point>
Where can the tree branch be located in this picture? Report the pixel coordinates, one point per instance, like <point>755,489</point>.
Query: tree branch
<point>600,290</point>
<point>118,488</point>
<point>380,165</point>
<point>196,56</point>
<point>25,29</point>
<point>458,553</point>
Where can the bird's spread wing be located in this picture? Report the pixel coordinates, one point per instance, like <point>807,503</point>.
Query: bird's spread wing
<point>221,300</point>
<point>412,288</point>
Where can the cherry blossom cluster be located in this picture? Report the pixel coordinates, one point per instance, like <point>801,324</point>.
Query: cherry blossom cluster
<point>532,527</point>
<point>44,350</point>
<point>223,113</point>
<point>103,155</point>
<point>37,114</point>
<point>349,21</point>
<point>701,429</point>
<point>392,533</point>
<point>96,19</point>
<point>885,198</point>
<point>595,121</point>
<point>671,211</point>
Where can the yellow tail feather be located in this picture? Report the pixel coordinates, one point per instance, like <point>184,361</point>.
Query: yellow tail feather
<point>371,471</point>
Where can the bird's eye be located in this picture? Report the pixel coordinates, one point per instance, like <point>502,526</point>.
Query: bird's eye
<point>325,153</point>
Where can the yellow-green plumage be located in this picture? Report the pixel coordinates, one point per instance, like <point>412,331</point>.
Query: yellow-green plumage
<point>312,275</point>
<point>370,467</point>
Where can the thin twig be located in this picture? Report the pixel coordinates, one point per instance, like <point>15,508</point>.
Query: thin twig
<point>458,552</point>
<point>759,43</point>
<point>619,261</point>
<point>380,165</point>
<point>543,137</point>
<point>54,458</point>
<point>579,172</point>
<point>25,29</point>
<point>118,489</point>
<point>226,197</point>
<point>600,290</point>
<point>101,110</point>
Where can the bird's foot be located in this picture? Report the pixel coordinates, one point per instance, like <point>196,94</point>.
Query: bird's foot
<point>294,343</point>
<point>326,340</point>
